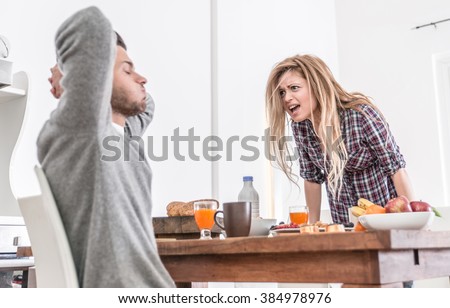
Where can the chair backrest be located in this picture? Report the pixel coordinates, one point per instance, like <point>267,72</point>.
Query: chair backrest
<point>53,258</point>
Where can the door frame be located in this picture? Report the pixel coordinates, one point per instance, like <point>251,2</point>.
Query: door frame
<point>441,72</point>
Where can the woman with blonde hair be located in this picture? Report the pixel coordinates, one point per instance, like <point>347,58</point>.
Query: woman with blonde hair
<point>341,138</point>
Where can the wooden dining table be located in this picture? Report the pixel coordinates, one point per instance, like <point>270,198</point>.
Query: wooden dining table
<point>356,259</point>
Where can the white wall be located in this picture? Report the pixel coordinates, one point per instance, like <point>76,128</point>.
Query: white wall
<point>252,37</point>
<point>382,57</point>
<point>373,51</point>
<point>170,42</point>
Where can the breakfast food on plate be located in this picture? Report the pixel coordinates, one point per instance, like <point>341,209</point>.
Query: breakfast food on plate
<point>320,224</point>
<point>335,228</point>
<point>307,228</point>
<point>179,208</point>
<point>282,225</point>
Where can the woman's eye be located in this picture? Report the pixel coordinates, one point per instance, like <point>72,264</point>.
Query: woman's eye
<point>294,88</point>
<point>282,93</point>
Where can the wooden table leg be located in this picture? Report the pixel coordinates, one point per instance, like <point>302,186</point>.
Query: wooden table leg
<point>183,284</point>
<point>25,278</point>
<point>191,284</point>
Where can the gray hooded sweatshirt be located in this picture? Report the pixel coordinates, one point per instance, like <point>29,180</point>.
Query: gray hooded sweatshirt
<point>104,199</point>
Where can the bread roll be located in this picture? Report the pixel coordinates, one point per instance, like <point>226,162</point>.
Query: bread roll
<point>179,208</point>
<point>173,208</point>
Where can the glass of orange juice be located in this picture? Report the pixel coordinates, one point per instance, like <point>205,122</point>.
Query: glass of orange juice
<point>299,214</point>
<point>204,217</point>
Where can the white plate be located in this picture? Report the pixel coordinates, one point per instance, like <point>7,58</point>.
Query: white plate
<point>286,230</point>
<point>399,221</point>
<point>297,230</point>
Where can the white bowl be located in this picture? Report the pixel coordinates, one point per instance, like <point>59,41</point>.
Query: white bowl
<point>261,226</point>
<point>399,221</point>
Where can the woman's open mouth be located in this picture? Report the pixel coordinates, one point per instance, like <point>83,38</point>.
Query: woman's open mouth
<point>294,108</point>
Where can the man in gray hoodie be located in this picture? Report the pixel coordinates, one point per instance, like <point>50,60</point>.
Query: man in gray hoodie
<point>105,205</point>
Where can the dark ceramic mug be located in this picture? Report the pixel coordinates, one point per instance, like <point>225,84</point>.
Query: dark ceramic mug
<point>237,218</point>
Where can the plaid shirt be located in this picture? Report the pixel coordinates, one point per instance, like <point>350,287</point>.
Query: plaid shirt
<point>373,156</point>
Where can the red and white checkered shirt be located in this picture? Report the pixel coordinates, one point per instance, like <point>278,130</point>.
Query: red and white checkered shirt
<point>373,156</point>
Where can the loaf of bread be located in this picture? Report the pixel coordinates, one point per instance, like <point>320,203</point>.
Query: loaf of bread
<point>179,208</point>
<point>173,208</point>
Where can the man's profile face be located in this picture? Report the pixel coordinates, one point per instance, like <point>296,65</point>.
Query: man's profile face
<point>128,94</point>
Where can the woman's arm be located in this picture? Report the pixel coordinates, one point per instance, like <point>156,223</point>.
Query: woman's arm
<point>313,194</point>
<point>403,184</point>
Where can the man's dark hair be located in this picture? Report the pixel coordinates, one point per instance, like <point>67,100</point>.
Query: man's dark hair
<point>120,41</point>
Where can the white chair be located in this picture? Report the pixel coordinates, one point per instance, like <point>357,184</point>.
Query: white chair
<point>53,258</point>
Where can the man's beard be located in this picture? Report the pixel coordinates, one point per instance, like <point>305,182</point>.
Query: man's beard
<point>120,105</point>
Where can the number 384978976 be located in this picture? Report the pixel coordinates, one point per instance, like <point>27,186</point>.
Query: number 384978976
<point>291,297</point>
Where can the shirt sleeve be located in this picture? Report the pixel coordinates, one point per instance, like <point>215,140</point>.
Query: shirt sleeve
<point>85,48</point>
<point>381,141</point>
<point>136,125</point>
<point>308,170</point>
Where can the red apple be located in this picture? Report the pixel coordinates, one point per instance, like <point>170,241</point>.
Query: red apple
<point>398,205</point>
<point>420,206</point>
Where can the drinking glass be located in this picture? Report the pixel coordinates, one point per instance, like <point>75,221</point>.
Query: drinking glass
<point>299,214</point>
<point>204,217</point>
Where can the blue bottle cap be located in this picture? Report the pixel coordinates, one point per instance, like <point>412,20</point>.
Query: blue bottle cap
<point>248,178</point>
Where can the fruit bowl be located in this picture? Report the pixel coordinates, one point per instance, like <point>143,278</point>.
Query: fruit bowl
<point>397,221</point>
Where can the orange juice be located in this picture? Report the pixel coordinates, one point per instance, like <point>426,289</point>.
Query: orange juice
<point>299,217</point>
<point>204,218</point>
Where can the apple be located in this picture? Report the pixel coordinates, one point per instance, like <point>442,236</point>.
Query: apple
<point>398,205</point>
<point>420,206</point>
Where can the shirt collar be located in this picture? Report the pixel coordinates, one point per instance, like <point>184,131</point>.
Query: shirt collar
<point>118,128</point>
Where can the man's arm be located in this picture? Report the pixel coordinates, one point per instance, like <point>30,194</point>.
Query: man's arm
<point>85,50</point>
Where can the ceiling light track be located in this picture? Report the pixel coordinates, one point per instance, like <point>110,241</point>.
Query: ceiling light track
<point>431,24</point>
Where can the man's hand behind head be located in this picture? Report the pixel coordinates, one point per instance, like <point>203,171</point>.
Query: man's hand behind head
<point>55,81</point>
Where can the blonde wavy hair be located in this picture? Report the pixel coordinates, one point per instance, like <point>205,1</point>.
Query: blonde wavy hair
<point>331,98</point>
